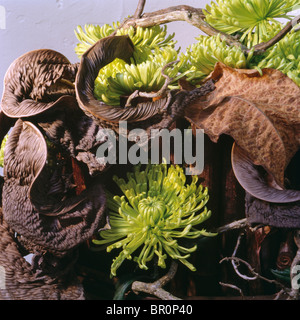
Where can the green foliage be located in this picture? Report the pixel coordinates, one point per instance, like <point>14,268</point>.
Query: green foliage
<point>141,37</point>
<point>285,56</point>
<point>157,208</point>
<point>2,151</point>
<point>154,48</point>
<point>283,275</point>
<point>255,20</point>
<point>200,58</point>
<point>144,73</point>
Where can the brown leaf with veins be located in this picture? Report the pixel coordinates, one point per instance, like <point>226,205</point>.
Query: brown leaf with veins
<point>261,113</point>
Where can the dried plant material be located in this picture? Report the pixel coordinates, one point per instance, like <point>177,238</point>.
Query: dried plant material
<point>255,181</point>
<point>260,112</point>
<point>38,202</point>
<point>286,252</point>
<point>36,82</point>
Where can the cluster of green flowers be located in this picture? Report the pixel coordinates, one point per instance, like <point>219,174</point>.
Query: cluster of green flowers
<point>285,56</point>
<point>254,20</point>
<point>144,73</point>
<point>200,58</point>
<point>154,48</point>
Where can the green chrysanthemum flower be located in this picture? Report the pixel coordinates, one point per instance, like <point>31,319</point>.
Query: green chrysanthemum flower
<point>158,208</point>
<point>255,19</point>
<point>153,37</point>
<point>154,48</point>
<point>285,56</point>
<point>144,73</point>
<point>200,58</point>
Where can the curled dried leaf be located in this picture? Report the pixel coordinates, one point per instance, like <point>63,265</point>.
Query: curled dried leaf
<point>96,57</point>
<point>35,82</point>
<point>260,112</point>
<point>38,201</point>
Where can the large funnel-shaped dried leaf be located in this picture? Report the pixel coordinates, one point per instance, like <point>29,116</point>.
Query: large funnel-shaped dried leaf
<point>100,54</point>
<point>35,82</point>
<point>261,113</point>
<point>57,226</point>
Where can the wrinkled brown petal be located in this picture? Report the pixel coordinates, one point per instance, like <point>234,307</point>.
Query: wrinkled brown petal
<point>69,127</point>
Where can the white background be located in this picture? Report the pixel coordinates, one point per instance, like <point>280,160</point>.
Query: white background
<point>37,24</point>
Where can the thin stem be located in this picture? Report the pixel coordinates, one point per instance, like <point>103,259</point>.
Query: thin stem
<point>242,223</point>
<point>156,288</point>
<point>262,47</point>
<point>139,10</point>
<point>161,93</point>
<point>228,285</point>
<point>235,265</point>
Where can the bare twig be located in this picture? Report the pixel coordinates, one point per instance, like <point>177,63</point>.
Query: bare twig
<point>235,265</point>
<point>232,287</point>
<point>196,17</point>
<point>252,271</point>
<point>139,10</point>
<point>258,276</point>
<point>193,16</point>
<point>262,47</point>
<point>161,93</point>
<point>156,288</point>
<point>239,224</point>
<point>293,294</point>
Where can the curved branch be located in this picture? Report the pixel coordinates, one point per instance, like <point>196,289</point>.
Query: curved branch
<point>262,47</point>
<point>156,288</point>
<point>160,93</point>
<point>196,17</point>
<point>193,16</point>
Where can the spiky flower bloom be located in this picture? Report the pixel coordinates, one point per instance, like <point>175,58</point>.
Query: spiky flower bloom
<point>156,210</point>
<point>153,37</point>
<point>200,58</point>
<point>255,19</point>
<point>144,74</point>
<point>285,56</point>
<point>154,48</point>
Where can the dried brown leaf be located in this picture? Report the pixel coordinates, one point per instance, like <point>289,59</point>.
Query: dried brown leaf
<point>261,113</point>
